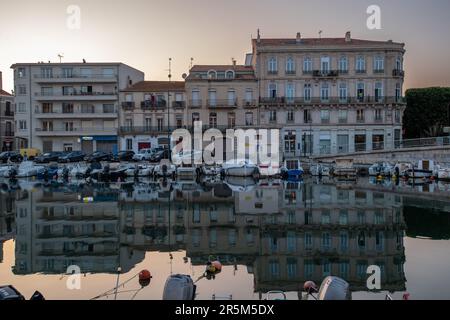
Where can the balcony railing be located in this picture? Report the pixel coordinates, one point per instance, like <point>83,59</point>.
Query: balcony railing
<point>195,103</point>
<point>9,114</point>
<point>398,73</point>
<point>325,73</point>
<point>221,103</point>
<point>272,72</point>
<point>74,76</point>
<point>164,128</point>
<point>76,112</point>
<point>75,130</point>
<point>73,94</point>
<point>249,103</point>
<point>148,104</point>
<point>331,100</point>
<point>378,71</point>
<point>290,72</point>
<point>178,104</point>
<point>8,133</point>
<point>128,105</point>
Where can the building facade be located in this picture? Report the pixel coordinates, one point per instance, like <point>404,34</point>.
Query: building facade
<point>6,119</point>
<point>70,106</point>
<point>149,111</point>
<point>330,95</point>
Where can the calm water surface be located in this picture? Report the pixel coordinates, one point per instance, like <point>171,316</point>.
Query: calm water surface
<point>269,235</point>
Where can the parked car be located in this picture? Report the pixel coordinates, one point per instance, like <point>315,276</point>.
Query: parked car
<point>49,157</point>
<point>99,156</point>
<point>143,154</point>
<point>74,156</point>
<point>159,155</point>
<point>124,156</point>
<point>10,155</point>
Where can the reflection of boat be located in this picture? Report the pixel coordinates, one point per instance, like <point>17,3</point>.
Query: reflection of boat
<point>292,169</point>
<point>179,287</point>
<point>8,171</point>
<point>240,184</point>
<point>332,288</point>
<point>239,168</point>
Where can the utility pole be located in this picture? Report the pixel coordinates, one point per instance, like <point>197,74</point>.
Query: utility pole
<point>168,108</point>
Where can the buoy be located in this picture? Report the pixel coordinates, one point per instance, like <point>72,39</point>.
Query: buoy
<point>310,287</point>
<point>213,267</point>
<point>145,277</point>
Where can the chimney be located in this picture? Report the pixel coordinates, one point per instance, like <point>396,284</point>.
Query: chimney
<point>1,81</point>
<point>348,36</point>
<point>258,38</point>
<point>298,38</point>
<point>234,61</point>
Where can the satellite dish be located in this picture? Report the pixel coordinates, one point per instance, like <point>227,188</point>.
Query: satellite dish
<point>184,76</point>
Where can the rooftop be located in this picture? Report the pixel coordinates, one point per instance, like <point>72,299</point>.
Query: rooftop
<point>4,93</point>
<point>156,86</point>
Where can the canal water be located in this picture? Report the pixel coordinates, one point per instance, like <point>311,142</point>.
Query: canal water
<point>269,235</point>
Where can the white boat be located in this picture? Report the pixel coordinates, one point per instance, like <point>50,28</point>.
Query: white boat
<point>344,169</point>
<point>239,168</point>
<point>7,171</point>
<point>381,169</point>
<point>424,170</point>
<point>165,169</point>
<point>443,173</point>
<point>320,169</point>
<point>78,170</point>
<point>401,168</point>
<point>29,169</point>
<point>210,170</point>
<point>269,170</point>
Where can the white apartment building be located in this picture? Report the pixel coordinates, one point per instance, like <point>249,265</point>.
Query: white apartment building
<point>70,106</point>
<point>149,111</point>
<point>6,119</point>
<point>330,95</point>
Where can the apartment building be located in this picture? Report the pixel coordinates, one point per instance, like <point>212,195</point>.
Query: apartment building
<point>330,95</point>
<point>6,119</point>
<point>149,111</point>
<point>70,106</point>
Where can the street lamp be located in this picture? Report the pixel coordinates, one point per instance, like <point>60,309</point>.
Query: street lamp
<point>168,107</point>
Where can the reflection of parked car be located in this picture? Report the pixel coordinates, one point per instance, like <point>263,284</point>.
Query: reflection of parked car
<point>143,154</point>
<point>160,155</point>
<point>73,156</point>
<point>49,157</point>
<point>10,155</point>
<point>124,156</point>
<point>99,156</point>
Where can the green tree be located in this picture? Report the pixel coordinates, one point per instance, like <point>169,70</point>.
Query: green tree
<point>427,112</point>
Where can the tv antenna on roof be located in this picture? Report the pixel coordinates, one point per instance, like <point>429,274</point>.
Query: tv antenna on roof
<point>60,56</point>
<point>192,63</point>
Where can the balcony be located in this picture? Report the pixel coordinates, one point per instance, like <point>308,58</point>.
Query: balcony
<point>398,73</point>
<point>84,113</point>
<point>75,78</point>
<point>195,103</point>
<point>153,105</point>
<point>325,73</point>
<point>178,104</point>
<point>135,130</point>
<point>378,71</point>
<point>290,72</point>
<point>128,105</point>
<point>360,71</point>
<point>221,103</point>
<point>8,114</point>
<point>249,103</point>
<point>80,96</point>
<point>272,72</point>
<point>61,131</point>
<point>8,133</point>
<point>302,101</point>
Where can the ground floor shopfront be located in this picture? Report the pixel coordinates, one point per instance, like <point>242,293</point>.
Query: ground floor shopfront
<point>87,144</point>
<point>139,142</point>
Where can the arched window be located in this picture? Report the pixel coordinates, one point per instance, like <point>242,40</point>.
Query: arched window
<point>343,64</point>
<point>307,65</point>
<point>272,90</point>
<point>290,66</point>
<point>360,64</point>
<point>213,120</point>
<point>272,67</point>
<point>229,74</point>
<point>212,74</point>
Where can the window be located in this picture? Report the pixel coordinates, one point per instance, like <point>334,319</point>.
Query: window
<point>67,147</point>
<point>148,123</point>
<point>21,89</point>
<point>378,64</point>
<point>272,90</point>
<point>179,120</point>
<point>108,72</point>
<point>108,108</point>
<point>360,115</point>
<point>212,98</point>
<point>67,91</point>
<point>398,92</point>
<point>212,74</point>
<point>290,116</point>
<point>47,108</point>
<point>47,126</point>
<point>160,124</point>
<point>231,120</point>
<point>87,108</point>
<point>21,72</point>
<point>325,116</point>
<point>272,116</point>
<point>195,117</point>
<point>325,143</point>
<point>325,65</point>
<point>307,92</point>
<point>378,92</point>
<point>129,144</point>
<point>360,64</point>
<point>290,92</point>
<point>272,67</point>
<point>196,102</point>
<point>249,118</point>
<point>307,65</point>
<point>307,116</point>
<point>360,91</point>
<point>325,92</point>
<point>397,116</point>
<point>378,142</point>
<point>343,92</point>
<point>378,115</point>
<point>86,73</point>
<point>343,116</point>
<point>46,72</point>
<point>86,89</point>
<point>248,96</point>
<point>343,64</point>
<point>360,142</point>
<point>398,64</point>
<point>231,98</point>
<point>22,125</point>
<point>289,141</point>
<point>229,74</point>
<point>67,108</point>
<point>67,73</point>
<point>46,91</point>
<point>22,108</point>
<point>213,120</point>
<point>290,66</point>
<point>68,126</point>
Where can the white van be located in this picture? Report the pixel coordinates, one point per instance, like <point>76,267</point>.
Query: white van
<point>143,154</point>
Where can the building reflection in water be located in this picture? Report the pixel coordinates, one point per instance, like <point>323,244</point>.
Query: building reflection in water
<point>284,233</point>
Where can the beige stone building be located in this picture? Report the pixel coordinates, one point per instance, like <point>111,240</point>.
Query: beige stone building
<point>330,95</point>
<point>6,119</point>
<point>150,110</point>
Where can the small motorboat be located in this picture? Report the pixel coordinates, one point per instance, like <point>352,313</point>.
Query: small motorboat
<point>50,172</point>
<point>11,293</point>
<point>79,170</point>
<point>179,287</point>
<point>443,173</point>
<point>269,169</point>
<point>383,169</point>
<point>424,170</point>
<point>207,170</point>
<point>320,170</point>
<point>344,169</point>
<point>239,168</point>
<point>292,169</point>
<point>8,171</point>
<point>332,288</point>
<point>165,169</point>
<point>29,169</point>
